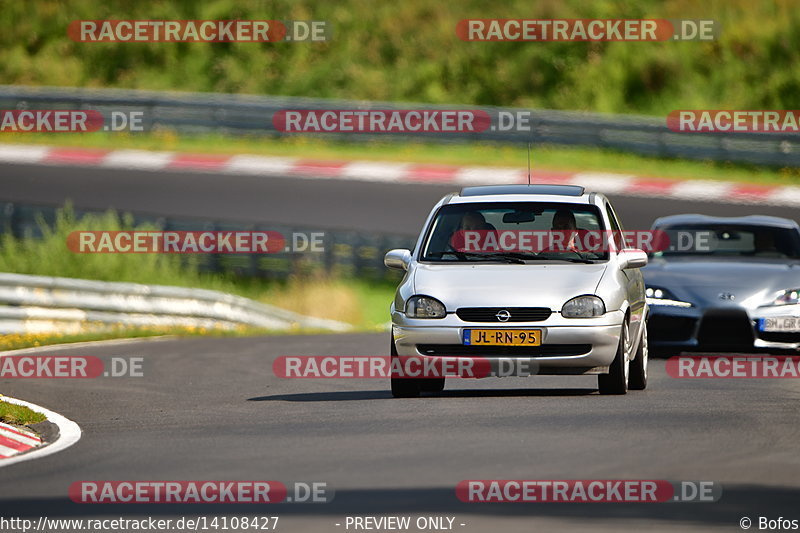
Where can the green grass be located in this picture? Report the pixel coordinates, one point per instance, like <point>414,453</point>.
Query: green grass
<point>19,414</point>
<point>409,51</point>
<point>479,154</point>
<point>362,303</point>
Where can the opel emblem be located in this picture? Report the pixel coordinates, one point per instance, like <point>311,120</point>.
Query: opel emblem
<point>503,315</point>
<point>726,296</point>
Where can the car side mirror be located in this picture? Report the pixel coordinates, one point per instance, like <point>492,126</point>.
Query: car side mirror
<point>399,258</point>
<point>632,258</point>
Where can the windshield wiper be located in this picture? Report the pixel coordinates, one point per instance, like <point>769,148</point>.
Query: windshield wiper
<point>516,257</point>
<point>551,258</point>
<point>507,257</point>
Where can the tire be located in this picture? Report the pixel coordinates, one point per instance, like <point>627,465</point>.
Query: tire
<point>616,381</point>
<point>403,387</point>
<point>637,379</point>
<point>431,384</point>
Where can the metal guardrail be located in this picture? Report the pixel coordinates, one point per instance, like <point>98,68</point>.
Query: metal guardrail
<point>238,114</point>
<point>345,253</point>
<point>30,304</point>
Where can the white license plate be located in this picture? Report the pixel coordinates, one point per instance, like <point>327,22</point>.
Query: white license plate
<point>779,323</point>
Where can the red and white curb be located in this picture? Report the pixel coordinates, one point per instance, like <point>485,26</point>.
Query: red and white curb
<point>390,172</point>
<point>68,434</point>
<point>14,440</point>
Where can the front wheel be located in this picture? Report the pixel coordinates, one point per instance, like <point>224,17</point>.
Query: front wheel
<point>403,387</point>
<point>432,384</point>
<point>638,377</point>
<point>616,381</point>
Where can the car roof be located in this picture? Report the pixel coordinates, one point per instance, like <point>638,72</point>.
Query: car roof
<point>523,193</point>
<point>749,220</point>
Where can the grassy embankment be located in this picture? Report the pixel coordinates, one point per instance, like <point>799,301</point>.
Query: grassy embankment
<point>362,303</point>
<point>19,414</point>
<point>410,52</point>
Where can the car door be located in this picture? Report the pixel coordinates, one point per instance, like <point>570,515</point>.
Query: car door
<point>633,279</point>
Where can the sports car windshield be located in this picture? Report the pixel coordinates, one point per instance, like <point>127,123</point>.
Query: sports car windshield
<point>732,240</point>
<point>512,232</point>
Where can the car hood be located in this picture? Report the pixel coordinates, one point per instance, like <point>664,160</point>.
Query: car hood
<point>506,285</point>
<point>752,282</point>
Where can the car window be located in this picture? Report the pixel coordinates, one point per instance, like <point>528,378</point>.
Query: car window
<point>499,218</point>
<point>731,240</point>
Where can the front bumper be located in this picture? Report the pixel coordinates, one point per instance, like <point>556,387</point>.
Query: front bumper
<point>569,346</point>
<point>728,329</point>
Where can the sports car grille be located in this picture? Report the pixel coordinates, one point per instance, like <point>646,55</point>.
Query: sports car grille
<point>489,314</point>
<point>725,329</point>
<point>670,328</point>
<point>545,350</point>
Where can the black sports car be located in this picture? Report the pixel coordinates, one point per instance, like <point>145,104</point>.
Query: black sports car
<point>724,284</point>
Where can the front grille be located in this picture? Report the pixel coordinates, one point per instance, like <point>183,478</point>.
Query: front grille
<point>670,328</point>
<point>545,350</point>
<point>725,328</point>
<point>489,314</point>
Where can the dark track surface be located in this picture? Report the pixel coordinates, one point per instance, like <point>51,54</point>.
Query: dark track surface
<point>315,203</point>
<point>212,409</point>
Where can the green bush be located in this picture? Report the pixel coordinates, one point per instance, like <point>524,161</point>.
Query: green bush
<point>408,51</point>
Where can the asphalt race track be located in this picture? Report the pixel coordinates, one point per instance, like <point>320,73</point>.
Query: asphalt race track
<point>211,408</point>
<point>324,204</point>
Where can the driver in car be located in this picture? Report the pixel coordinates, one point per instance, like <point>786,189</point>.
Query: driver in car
<point>564,222</point>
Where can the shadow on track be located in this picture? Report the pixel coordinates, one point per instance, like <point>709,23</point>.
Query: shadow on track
<point>349,396</point>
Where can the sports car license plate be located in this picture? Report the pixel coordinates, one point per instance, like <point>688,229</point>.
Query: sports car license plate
<point>503,337</point>
<point>779,323</point>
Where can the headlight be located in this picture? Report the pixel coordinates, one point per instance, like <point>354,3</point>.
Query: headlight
<point>425,307</point>
<point>788,297</point>
<point>583,307</point>
<point>657,296</point>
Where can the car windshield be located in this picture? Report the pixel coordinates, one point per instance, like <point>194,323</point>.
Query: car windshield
<point>508,232</point>
<point>732,240</point>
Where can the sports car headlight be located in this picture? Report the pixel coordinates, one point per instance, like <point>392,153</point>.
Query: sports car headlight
<point>788,297</point>
<point>656,296</point>
<point>583,307</point>
<point>425,307</point>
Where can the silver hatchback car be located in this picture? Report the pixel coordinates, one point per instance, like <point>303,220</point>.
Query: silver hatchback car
<point>557,311</point>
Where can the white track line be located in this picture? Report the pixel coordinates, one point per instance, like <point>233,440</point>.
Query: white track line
<point>393,172</point>
<point>137,159</point>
